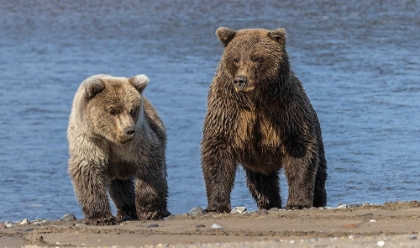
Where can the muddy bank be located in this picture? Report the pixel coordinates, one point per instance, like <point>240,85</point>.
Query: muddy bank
<point>390,224</point>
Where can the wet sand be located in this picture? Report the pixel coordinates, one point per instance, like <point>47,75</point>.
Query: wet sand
<point>393,224</point>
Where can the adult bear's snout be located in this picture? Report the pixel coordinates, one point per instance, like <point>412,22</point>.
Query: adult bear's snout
<point>240,81</point>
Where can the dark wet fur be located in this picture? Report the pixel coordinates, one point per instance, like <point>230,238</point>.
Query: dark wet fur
<point>272,126</point>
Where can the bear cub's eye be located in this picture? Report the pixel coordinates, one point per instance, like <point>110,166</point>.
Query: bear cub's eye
<point>133,112</point>
<point>236,61</point>
<point>113,111</point>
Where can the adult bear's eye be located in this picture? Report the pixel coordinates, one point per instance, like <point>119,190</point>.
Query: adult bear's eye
<point>256,59</point>
<point>236,61</point>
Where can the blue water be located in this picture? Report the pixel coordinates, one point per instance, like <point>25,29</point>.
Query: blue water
<point>359,62</point>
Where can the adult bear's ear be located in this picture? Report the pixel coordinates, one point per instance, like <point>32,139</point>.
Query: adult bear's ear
<point>225,35</point>
<point>139,82</point>
<point>94,87</point>
<point>279,35</point>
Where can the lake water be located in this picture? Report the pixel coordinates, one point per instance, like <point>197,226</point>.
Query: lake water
<point>358,60</point>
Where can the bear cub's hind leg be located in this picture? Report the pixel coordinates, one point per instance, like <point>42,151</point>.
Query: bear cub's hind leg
<point>151,199</point>
<point>122,193</point>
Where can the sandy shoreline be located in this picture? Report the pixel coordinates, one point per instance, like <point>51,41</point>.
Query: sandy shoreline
<point>391,225</point>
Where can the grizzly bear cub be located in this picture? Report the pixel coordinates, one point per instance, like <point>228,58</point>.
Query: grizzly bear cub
<point>259,115</point>
<point>117,143</point>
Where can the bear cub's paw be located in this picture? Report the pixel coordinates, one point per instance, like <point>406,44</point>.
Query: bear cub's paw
<point>218,209</point>
<point>105,221</point>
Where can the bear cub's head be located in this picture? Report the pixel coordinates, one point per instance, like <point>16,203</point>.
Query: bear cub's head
<point>253,57</point>
<point>114,105</point>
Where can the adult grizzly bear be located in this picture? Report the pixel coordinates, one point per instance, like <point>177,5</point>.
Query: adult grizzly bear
<point>117,142</point>
<point>259,115</point>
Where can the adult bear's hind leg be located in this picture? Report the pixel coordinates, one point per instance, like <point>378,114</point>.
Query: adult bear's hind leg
<point>264,188</point>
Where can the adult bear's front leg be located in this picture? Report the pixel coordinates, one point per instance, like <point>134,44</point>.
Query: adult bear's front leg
<point>219,175</point>
<point>300,175</point>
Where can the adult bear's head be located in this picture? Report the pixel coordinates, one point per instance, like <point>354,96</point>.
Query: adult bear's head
<point>254,58</point>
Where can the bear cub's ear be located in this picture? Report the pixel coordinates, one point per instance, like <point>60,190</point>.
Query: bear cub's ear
<point>94,87</point>
<point>225,35</point>
<point>139,82</point>
<point>279,35</point>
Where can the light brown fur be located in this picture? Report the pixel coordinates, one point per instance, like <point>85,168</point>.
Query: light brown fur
<point>117,142</point>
